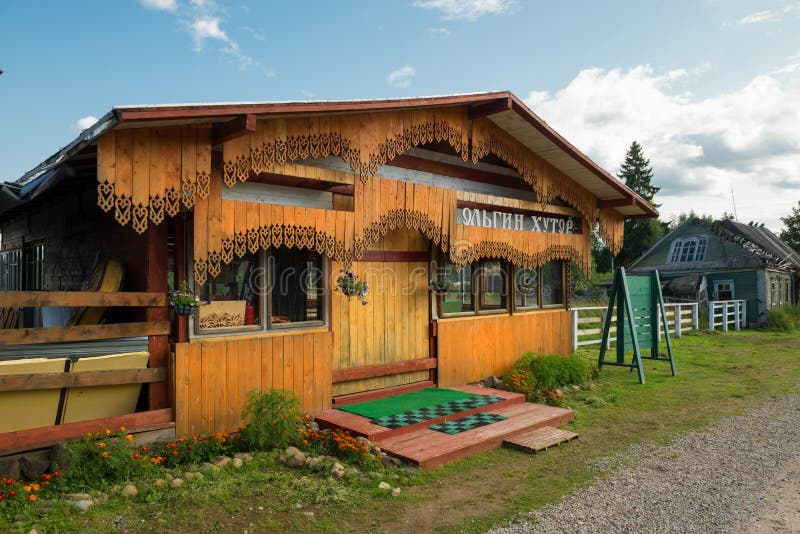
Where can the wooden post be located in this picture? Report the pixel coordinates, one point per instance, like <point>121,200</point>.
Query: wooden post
<point>182,322</point>
<point>575,330</point>
<point>678,319</point>
<point>711,315</point>
<point>744,313</point>
<point>736,304</point>
<point>158,394</point>
<point>725,316</point>
<point>696,315</point>
<point>658,324</point>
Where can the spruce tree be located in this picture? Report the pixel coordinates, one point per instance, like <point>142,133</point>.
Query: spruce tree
<point>640,234</point>
<point>637,173</point>
<point>791,234</point>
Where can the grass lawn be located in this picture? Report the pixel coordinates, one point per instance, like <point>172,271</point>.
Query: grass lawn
<point>718,375</point>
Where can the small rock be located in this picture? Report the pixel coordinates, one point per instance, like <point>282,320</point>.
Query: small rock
<point>384,486</point>
<point>309,515</point>
<point>243,456</point>
<point>188,475</point>
<point>116,489</point>
<point>337,470</point>
<point>493,382</point>
<point>296,460</point>
<point>33,531</point>
<point>143,487</point>
<point>397,461</point>
<point>77,496</point>
<point>237,462</point>
<point>159,482</point>
<point>176,483</point>
<point>314,426</point>
<point>222,461</point>
<point>207,468</point>
<point>101,498</point>
<point>130,491</point>
<point>376,450</point>
<point>191,467</point>
<point>82,504</point>
<point>395,492</point>
<point>386,460</point>
<point>291,451</point>
<point>352,471</point>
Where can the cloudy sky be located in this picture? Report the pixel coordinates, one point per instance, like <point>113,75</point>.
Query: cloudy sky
<point>710,88</point>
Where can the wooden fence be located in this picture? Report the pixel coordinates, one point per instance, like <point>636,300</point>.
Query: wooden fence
<point>11,442</point>
<point>587,322</point>
<point>724,313</point>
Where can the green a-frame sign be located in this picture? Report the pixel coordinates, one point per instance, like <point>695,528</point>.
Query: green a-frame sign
<point>639,304</point>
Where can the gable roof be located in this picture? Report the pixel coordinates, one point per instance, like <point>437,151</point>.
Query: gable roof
<point>503,108</point>
<point>759,241</point>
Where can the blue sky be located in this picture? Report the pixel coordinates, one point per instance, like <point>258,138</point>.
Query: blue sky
<point>711,88</point>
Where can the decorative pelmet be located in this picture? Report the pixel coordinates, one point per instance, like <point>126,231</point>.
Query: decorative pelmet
<point>611,229</point>
<point>144,174</point>
<point>364,140</point>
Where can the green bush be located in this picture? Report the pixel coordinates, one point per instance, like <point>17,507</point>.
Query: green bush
<point>784,319</point>
<point>272,419</point>
<point>538,376</point>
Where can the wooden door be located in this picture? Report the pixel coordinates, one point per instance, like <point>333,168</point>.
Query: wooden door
<point>393,325</point>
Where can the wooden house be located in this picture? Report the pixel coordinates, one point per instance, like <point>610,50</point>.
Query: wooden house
<point>261,206</point>
<point>725,260</point>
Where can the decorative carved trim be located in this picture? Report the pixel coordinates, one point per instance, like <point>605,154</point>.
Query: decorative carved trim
<point>611,229</point>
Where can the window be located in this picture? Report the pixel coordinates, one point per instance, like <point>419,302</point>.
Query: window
<point>232,297</point>
<point>688,249</point>
<point>11,270</point>
<point>553,283</point>
<point>282,289</point>
<point>295,288</point>
<point>526,288</point>
<point>491,286</point>
<point>459,298</point>
<point>723,290</point>
<point>34,266</point>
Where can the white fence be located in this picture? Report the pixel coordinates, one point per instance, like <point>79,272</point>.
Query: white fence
<point>594,316</point>
<point>724,313</point>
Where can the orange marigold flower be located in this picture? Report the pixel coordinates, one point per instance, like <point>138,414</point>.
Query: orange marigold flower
<point>129,437</point>
<point>107,431</point>
<point>32,497</point>
<point>27,489</point>
<point>122,429</point>
<point>105,454</point>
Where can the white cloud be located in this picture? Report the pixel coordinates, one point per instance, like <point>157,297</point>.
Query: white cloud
<point>160,5</point>
<point>748,137</point>
<point>469,10</point>
<point>84,122</point>
<point>766,15</point>
<point>206,28</point>
<point>401,77</point>
<point>439,32</point>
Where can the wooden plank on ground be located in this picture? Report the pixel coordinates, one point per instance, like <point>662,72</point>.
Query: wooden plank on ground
<point>540,439</point>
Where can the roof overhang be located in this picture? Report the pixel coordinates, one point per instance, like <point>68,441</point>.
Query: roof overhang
<point>503,108</point>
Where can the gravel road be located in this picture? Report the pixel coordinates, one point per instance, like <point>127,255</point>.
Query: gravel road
<point>742,475</point>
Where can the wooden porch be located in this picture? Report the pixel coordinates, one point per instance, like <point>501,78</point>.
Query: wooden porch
<point>427,448</point>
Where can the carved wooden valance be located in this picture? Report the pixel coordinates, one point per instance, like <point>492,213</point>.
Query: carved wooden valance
<point>611,229</point>
<point>146,173</point>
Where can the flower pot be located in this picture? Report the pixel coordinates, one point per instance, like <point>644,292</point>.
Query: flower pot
<point>185,309</point>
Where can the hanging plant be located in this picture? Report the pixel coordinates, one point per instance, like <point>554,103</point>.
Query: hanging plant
<point>350,286</point>
<point>441,284</point>
<point>184,301</point>
<point>527,281</point>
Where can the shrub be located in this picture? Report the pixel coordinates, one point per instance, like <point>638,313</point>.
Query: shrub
<point>102,459</point>
<point>784,319</point>
<point>521,380</point>
<point>538,376</point>
<point>272,419</point>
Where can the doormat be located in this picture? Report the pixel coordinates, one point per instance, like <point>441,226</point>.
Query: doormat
<point>467,423</point>
<point>432,412</point>
<point>404,403</point>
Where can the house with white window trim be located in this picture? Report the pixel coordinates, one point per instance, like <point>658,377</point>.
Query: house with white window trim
<point>724,260</point>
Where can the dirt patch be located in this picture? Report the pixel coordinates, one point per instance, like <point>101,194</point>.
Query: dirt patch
<point>781,510</point>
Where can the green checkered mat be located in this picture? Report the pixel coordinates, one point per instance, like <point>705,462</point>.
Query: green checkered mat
<point>432,412</point>
<point>406,402</point>
<point>467,423</point>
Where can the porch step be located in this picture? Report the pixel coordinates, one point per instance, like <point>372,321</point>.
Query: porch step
<point>363,426</point>
<point>428,448</point>
<point>540,439</point>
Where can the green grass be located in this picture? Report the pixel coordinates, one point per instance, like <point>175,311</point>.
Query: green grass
<point>718,375</point>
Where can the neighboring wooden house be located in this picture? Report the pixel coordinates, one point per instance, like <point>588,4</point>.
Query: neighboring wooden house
<point>725,260</point>
<point>242,198</point>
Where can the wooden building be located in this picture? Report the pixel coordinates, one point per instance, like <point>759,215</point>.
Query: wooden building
<point>725,260</point>
<point>262,205</point>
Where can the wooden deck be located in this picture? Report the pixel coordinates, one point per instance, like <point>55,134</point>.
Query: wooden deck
<point>428,448</point>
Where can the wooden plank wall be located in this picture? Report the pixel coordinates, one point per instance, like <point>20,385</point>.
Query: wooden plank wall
<point>472,348</point>
<point>213,377</point>
<point>393,326</point>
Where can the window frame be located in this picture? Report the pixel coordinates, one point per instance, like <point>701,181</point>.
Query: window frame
<point>478,295</point>
<point>538,305</point>
<point>728,282</point>
<point>265,325</point>
<point>682,246</point>
<point>563,303</point>
<point>6,275</point>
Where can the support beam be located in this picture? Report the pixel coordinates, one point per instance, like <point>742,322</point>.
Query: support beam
<point>225,131</point>
<point>490,108</point>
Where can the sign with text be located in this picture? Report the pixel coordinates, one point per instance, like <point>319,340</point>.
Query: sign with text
<point>516,221</point>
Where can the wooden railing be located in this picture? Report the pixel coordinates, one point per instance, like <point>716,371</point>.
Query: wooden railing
<point>27,336</point>
<point>723,313</point>
<point>587,322</point>
<point>21,440</point>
